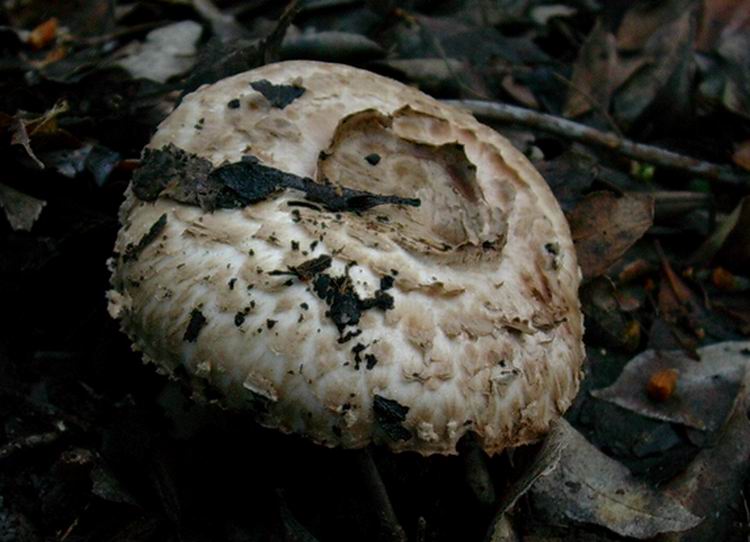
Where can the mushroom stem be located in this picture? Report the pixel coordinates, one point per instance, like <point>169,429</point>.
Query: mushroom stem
<point>389,525</point>
<point>477,472</point>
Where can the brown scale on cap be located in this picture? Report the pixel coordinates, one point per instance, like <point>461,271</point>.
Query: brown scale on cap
<point>418,272</point>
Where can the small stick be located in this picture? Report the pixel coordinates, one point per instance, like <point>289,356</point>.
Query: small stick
<point>31,442</point>
<point>585,134</point>
<point>389,524</point>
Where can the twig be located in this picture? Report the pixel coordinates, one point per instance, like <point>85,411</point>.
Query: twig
<point>389,524</point>
<point>31,442</point>
<point>585,134</point>
<point>595,104</point>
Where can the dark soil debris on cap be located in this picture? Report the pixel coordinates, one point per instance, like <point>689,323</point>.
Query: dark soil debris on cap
<point>279,96</point>
<point>389,415</point>
<point>373,159</point>
<point>195,325</point>
<point>132,251</point>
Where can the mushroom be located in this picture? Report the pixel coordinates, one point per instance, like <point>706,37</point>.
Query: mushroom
<point>351,260</point>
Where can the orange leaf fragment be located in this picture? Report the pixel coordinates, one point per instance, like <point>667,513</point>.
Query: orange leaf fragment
<point>43,34</point>
<point>662,384</point>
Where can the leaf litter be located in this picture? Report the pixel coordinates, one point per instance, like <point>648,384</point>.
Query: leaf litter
<point>662,241</point>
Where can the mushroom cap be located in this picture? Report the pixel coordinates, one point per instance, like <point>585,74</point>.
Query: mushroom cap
<point>400,325</point>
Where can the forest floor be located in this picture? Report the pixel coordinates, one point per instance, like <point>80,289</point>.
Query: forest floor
<point>636,113</point>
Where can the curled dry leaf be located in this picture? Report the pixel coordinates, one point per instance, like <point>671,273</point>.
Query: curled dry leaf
<point>589,487</point>
<point>21,210</point>
<point>604,226</point>
<point>707,388</point>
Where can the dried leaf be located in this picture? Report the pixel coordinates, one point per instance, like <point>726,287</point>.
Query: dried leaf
<point>21,210</point>
<point>168,51</point>
<point>731,226</point>
<point>604,226</point>
<point>664,32</point>
<point>331,46</point>
<point>706,391</point>
<point>592,73</point>
<point>713,482</point>
<point>720,18</point>
<point>545,460</point>
<point>432,75</point>
<point>589,487</point>
<point>219,60</point>
<point>21,137</point>
<point>541,15</point>
<point>606,322</point>
<point>520,92</point>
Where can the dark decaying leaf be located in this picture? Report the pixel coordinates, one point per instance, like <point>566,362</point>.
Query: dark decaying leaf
<point>20,136</point>
<point>592,80</point>
<point>725,34</point>
<point>604,226</point>
<point>663,34</point>
<point>706,389</point>
<point>589,487</point>
<point>190,179</point>
<point>218,59</point>
<point>133,251</point>
<point>331,46</point>
<point>713,483</point>
<point>607,324</point>
<point>21,210</point>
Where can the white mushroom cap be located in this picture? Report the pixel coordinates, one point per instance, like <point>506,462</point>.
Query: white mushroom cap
<point>483,332</point>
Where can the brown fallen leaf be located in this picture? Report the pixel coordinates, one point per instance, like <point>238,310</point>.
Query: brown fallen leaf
<point>607,323</point>
<point>721,17</point>
<point>604,226</point>
<point>21,210</point>
<point>730,242</point>
<point>713,482</point>
<point>707,390</point>
<point>589,487</point>
<point>544,461</point>
<point>666,51</point>
<point>592,73</point>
